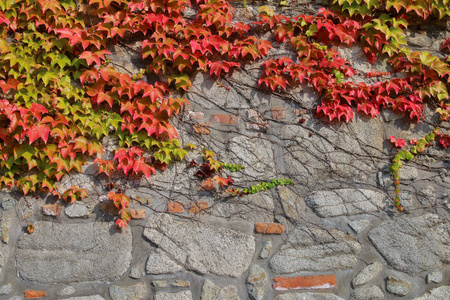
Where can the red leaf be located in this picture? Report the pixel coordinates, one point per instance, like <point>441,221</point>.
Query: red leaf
<point>38,131</point>
<point>223,181</point>
<point>400,143</point>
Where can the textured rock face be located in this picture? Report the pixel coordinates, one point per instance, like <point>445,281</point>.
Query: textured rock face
<point>210,291</point>
<point>367,293</point>
<point>397,286</point>
<point>345,202</point>
<point>367,274</point>
<point>159,263</point>
<point>315,249</point>
<point>421,243</point>
<point>439,293</point>
<point>73,253</point>
<point>184,295</point>
<point>202,248</point>
<point>137,291</point>
<point>256,282</point>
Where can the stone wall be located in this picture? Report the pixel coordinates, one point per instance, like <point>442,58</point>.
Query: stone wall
<point>334,234</point>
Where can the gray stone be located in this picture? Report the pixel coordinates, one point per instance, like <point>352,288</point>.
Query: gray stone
<point>289,202</point>
<point>384,179</point>
<point>308,296</point>
<point>359,226</point>
<point>266,249</point>
<point>419,40</point>
<point>136,272</point>
<point>183,295</point>
<point>427,195</point>
<point>137,291</point>
<point>200,247</point>
<point>413,244</point>
<point>5,223</point>
<point>181,283</point>
<point>406,200</point>
<point>6,289</point>
<point>15,298</point>
<point>367,274</point>
<point>408,173</point>
<point>66,253</point>
<point>256,282</point>
<point>210,291</point>
<point>439,293</point>
<point>67,291</point>
<point>345,202</point>
<point>8,203</point>
<point>315,249</point>
<point>160,283</point>
<point>159,263</point>
<point>435,277</point>
<point>367,293</point>
<point>78,210</point>
<point>94,297</point>
<point>397,286</point>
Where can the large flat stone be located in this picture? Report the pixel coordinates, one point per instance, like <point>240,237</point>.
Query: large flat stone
<point>202,248</point>
<point>66,253</point>
<point>315,249</point>
<point>345,202</point>
<point>439,293</point>
<point>413,244</point>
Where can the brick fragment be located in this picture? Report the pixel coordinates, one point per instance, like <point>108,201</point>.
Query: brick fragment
<point>223,119</point>
<point>137,214</point>
<point>269,228</point>
<point>202,128</point>
<point>198,207</point>
<point>35,294</point>
<point>194,115</point>
<point>175,207</point>
<point>207,185</point>
<point>51,209</point>
<point>304,282</point>
<point>278,113</point>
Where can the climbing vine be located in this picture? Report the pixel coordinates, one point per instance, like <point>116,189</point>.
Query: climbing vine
<point>60,95</point>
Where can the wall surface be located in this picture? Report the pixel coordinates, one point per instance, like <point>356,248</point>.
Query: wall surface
<point>334,234</point>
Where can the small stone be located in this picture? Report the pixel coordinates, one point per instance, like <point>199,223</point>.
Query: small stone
<point>435,277</point>
<point>175,207</point>
<point>137,214</point>
<point>136,272</point>
<point>397,286</point>
<point>183,295</point>
<point>367,293</point>
<point>359,226</point>
<point>181,283</point>
<point>78,210</point>
<point>159,263</point>
<point>202,128</point>
<point>308,296</point>
<point>160,283</point>
<point>406,200</point>
<point>210,291</point>
<point>269,228</point>
<point>194,115</point>
<point>51,209</point>
<point>253,115</point>
<point>256,282</point>
<point>5,223</point>
<point>288,201</point>
<point>257,126</point>
<point>6,289</point>
<point>304,282</point>
<point>94,297</point>
<point>198,207</point>
<point>67,291</point>
<point>266,249</point>
<point>137,291</point>
<point>408,173</point>
<point>278,113</point>
<point>367,274</point>
<point>439,293</point>
<point>384,179</point>
<point>418,40</point>
<point>8,203</point>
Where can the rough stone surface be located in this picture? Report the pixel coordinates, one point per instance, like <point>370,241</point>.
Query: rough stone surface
<point>256,282</point>
<point>181,283</point>
<point>367,274</point>
<point>5,224</point>
<point>184,295</point>
<point>266,249</point>
<point>439,293</point>
<point>308,296</point>
<point>359,226</point>
<point>367,293</point>
<point>159,263</point>
<point>160,283</point>
<point>345,202</point>
<point>73,253</point>
<point>288,201</point>
<point>95,297</point>
<point>397,286</point>
<point>77,210</point>
<point>420,243</point>
<point>137,291</point>
<point>8,203</point>
<point>202,248</point>
<point>67,291</point>
<point>5,289</point>
<point>315,249</point>
<point>136,272</point>
<point>210,291</point>
<point>435,277</point>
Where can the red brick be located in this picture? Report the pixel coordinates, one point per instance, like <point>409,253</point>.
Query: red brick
<point>304,282</point>
<point>269,228</point>
<point>51,209</point>
<point>300,111</point>
<point>207,185</point>
<point>137,213</point>
<point>224,119</point>
<point>175,207</point>
<point>202,128</point>
<point>278,113</point>
<point>35,294</point>
<point>198,207</point>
